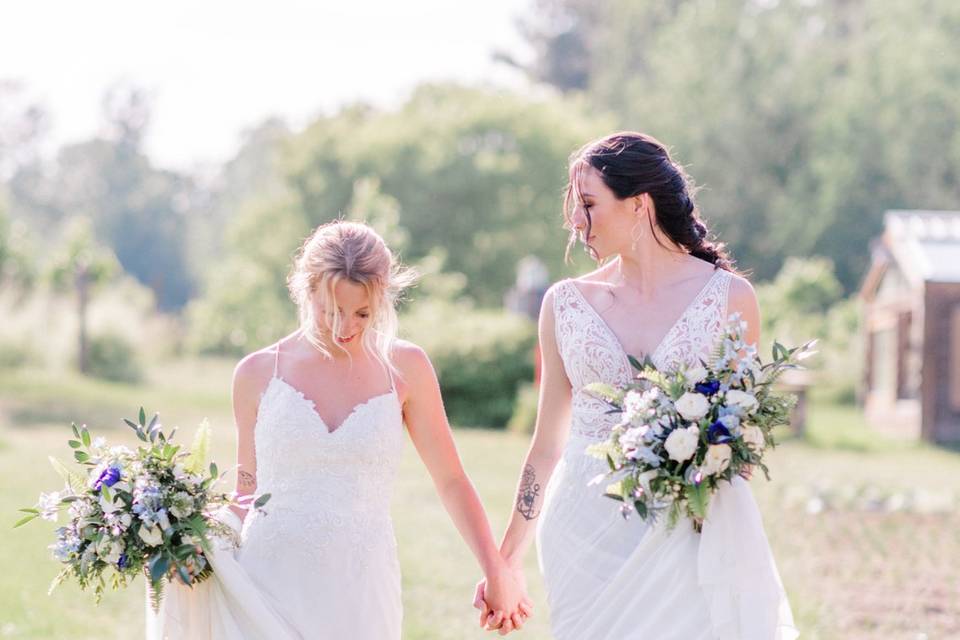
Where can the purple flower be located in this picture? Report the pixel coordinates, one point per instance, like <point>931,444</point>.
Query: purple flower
<point>109,476</point>
<point>708,387</point>
<point>718,433</point>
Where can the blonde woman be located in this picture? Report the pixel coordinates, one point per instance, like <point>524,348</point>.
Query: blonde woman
<point>321,417</point>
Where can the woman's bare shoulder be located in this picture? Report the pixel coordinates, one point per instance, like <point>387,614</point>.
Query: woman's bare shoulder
<point>255,369</point>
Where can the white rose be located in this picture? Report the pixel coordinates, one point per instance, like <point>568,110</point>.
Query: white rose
<point>632,438</point>
<point>109,506</point>
<point>717,459</point>
<point>742,399</point>
<point>151,535</point>
<point>681,444</point>
<point>696,374</point>
<point>692,406</point>
<point>633,402</point>
<point>109,550</point>
<point>753,436</point>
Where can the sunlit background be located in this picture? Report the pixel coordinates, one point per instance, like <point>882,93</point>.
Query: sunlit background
<point>159,165</point>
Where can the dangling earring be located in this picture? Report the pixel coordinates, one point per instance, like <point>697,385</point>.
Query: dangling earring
<point>634,234</point>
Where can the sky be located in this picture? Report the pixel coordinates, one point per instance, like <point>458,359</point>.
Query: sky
<point>214,67</point>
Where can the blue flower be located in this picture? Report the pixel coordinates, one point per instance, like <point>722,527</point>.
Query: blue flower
<point>109,476</point>
<point>123,562</point>
<point>707,388</point>
<point>718,433</point>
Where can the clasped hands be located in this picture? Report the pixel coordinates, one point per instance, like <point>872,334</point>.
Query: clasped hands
<point>502,600</point>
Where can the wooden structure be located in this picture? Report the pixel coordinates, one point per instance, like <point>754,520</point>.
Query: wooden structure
<point>911,321</point>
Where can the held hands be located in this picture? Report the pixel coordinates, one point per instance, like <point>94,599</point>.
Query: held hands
<point>502,600</point>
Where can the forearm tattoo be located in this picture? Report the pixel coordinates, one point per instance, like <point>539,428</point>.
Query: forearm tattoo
<point>247,480</point>
<point>528,493</point>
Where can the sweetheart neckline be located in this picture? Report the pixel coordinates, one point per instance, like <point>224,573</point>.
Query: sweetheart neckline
<point>311,405</point>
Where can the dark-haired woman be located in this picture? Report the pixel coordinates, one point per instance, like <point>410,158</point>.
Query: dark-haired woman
<point>663,288</point>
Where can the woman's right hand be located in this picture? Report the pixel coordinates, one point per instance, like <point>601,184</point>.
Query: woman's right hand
<point>503,601</point>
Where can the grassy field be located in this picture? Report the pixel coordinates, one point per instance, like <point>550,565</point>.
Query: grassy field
<point>865,529</point>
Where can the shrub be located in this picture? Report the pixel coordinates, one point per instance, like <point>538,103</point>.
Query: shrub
<point>111,357</point>
<point>481,357</point>
<point>524,416</point>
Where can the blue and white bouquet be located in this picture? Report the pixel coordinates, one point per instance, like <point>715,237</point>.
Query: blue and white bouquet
<point>684,432</point>
<point>147,511</point>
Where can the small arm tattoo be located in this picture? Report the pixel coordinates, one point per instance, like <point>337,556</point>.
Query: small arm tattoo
<point>247,480</point>
<point>528,493</point>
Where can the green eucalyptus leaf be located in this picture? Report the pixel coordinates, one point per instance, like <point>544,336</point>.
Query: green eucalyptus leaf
<point>641,508</point>
<point>25,520</point>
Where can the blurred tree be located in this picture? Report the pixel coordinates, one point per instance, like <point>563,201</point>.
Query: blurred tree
<point>80,265</point>
<point>804,120</point>
<point>139,211</point>
<point>23,124</point>
<point>805,301</point>
<point>479,173</point>
<point>254,173</point>
<point>245,304</point>
<point>17,269</point>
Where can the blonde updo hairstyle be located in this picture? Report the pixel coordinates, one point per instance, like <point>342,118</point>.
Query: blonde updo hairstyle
<point>349,251</point>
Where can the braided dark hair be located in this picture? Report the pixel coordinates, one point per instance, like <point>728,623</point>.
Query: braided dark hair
<point>634,163</point>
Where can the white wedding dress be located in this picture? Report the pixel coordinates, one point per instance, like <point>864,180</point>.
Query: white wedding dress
<point>613,579</point>
<point>321,563</point>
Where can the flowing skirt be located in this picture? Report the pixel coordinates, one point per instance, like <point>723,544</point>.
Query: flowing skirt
<point>294,578</point>
<point>613,579</point>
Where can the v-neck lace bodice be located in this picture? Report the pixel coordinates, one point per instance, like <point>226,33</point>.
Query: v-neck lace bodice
<point>305,465</point>
<point>591,352</point>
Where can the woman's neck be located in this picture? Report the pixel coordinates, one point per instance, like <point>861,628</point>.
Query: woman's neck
<point>649,267</point>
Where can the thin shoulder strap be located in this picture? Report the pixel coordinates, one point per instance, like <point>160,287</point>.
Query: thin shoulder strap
<point>393,383</point>
<point>276,361</point>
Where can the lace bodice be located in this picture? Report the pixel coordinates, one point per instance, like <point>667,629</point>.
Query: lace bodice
<point>325,485</point>
<point>304,465</point>
<point>592,353</point>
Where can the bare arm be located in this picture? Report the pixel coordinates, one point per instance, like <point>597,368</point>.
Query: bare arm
<point>247,385</point>
<point>743,300</point>
<point>430,432</point>
<point>546,447</point>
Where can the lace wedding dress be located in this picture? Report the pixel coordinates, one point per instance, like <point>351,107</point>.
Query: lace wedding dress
<point>321,561</point>
<point>613,579</point>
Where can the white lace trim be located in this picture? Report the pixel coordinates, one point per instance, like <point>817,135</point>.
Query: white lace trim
<point>592,353</point>
<point>330,490</point>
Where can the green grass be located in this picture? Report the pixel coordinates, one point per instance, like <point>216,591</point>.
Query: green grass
<point>852,572</point>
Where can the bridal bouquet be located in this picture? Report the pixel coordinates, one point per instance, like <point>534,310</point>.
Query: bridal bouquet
<point>684,432</point>
<point>147,511</point>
